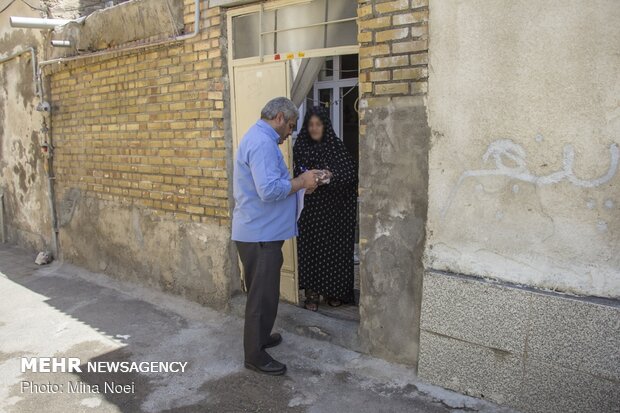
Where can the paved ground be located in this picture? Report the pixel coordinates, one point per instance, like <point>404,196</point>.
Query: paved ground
<point>60,310</point>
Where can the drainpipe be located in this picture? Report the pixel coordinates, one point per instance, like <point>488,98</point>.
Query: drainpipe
<point>136,47</point>
<point>48,150</point>
<point>45,107</point>
<point>2,238</point>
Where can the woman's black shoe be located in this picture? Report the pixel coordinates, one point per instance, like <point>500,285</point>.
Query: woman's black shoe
<point>273,368</point>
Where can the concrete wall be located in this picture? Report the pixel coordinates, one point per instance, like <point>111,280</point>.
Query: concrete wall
<point>536,351</point>
<point>134,243</point>
<point>23,179</point>
<point>108,27</point>
<point>394,138</point>
<point>523,106</point>
<point>71,9</point>
<point>524,189</point>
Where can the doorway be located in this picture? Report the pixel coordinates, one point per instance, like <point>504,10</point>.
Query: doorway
<point>266,55</point>
<point>336,88</point>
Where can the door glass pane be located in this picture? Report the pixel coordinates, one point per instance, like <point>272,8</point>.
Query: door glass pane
<point>301,39</point>
<point>342,34</point>
<point>269,25</point>
<point>269,44</point>
<point>301,14</point>
<point>341,9</point>
<point>269,21</point>
<point>245,36</point>
<point>246,30</point>
<point>327,71</point>
<point>326,96</point>
<point>349,66</point>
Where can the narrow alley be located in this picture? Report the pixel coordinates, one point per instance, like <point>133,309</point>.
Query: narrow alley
<point>62,310</point>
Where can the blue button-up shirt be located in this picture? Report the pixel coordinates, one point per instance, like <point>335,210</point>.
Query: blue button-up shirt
<point>264,210</point>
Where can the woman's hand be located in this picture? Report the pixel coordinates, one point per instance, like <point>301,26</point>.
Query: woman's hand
<point>325,177</point>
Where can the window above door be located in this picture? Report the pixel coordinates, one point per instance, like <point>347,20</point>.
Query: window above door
<point>294,28</point>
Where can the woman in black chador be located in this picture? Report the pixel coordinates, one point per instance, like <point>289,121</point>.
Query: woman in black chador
<point>325,245</point>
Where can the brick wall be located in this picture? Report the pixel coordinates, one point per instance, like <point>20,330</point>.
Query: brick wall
<point>393,37</point>
<point>147,127</point>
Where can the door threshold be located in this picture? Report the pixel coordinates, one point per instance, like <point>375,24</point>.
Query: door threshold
<point>294,319</point>
<point>349,312</point>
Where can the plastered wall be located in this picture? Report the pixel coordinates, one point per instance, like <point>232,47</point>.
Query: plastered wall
<point>27,220</point>
<point>524,180</point>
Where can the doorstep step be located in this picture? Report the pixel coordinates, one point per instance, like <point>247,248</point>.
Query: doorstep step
<point>297,320</point>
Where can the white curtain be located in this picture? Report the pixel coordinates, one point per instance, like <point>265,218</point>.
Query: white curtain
<point>304,74</point>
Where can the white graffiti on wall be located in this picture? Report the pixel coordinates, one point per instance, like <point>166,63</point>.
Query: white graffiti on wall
<point>505,148</point>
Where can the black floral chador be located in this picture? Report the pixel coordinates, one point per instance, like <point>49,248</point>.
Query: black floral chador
<point>325,246</point>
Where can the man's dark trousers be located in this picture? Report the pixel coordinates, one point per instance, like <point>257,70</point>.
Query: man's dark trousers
<point>262,262</point>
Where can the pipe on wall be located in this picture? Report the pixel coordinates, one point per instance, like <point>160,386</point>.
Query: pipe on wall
<point>36,23</point>
<point>35,72</point>
<point>2,236</point>
<point>61,43</point>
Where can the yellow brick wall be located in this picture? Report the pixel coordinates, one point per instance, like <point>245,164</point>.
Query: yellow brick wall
<point>393,37</point>
<point>147,127</point>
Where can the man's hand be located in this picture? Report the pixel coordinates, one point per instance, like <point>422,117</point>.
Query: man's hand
<point>308,180</point>
<point>311,179</point>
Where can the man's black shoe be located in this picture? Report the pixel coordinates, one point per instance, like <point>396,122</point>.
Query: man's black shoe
<point>276,339</point>
<point>273,368</point>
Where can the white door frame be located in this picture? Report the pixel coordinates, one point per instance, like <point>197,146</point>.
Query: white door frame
<point>232,63</point>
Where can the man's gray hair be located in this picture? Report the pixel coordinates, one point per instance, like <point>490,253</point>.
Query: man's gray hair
<point>277,105</point>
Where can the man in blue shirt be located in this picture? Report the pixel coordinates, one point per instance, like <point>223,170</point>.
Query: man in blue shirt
<point>263,218</point>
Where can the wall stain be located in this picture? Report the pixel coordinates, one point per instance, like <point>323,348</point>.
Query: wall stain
<point>10,42</point>
<point>18,170</point>
<point>19,143</point>
<point>25,82</point>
